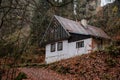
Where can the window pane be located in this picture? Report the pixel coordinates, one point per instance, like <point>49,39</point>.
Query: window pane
<point>59,46</point>
<point>52,47</point>
<point>79,44</point>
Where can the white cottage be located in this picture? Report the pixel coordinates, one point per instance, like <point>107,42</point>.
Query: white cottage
<point>67,38</point>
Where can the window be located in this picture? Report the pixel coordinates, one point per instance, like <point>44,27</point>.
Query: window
<point>59,46</point>
<point>108,0</point>
<point>53,47</point>
<point>79,44</point>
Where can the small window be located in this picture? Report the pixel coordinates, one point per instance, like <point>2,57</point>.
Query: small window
<point>59,46</point>
<point>79,44</point>
<point>108,0</point>
<point>53,47</point>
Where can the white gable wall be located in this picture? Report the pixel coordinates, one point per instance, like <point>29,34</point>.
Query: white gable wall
<point>69,50</point>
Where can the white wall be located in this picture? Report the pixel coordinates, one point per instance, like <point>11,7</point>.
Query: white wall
<point>69,50</point>
<point>57,55</point>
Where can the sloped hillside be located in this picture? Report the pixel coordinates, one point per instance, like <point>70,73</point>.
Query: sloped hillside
<point>93,66</point>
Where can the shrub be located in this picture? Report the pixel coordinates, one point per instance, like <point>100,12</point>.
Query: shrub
<point>53,67</point>
<point>6,48</point>
<point>63,69</point>
<point>21,76</point>
<point>107,77</point>
<point>113,50</point>
<point>111,62</point>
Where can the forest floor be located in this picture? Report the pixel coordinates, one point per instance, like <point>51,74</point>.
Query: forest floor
<point>43,74</point>
<point>92,66</point>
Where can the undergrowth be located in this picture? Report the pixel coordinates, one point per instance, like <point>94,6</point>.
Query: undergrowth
<point>21,76</point>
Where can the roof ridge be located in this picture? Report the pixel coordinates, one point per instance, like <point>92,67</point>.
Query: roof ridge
<point>72,26</point>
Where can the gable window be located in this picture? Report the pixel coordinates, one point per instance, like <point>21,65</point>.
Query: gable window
<point>80,44</point>
<point>53,47</point>
<point>60,46</point>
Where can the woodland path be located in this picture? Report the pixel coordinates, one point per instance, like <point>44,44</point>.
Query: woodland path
<point>43,74</point>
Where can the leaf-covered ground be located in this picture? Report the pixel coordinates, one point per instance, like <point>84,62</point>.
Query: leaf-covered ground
<point>43,74</point>
<point>93,66</point>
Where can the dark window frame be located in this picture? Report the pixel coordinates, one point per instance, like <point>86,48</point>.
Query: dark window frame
<point>53,47</point>
<point>60,46</point>
<point>80,44</point>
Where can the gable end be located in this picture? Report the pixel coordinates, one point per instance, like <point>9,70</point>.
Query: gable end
<point>56,32</point>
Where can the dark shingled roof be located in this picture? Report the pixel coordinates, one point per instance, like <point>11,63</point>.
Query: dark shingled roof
<point>76,27</point>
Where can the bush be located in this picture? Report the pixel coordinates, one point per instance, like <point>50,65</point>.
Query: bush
<point>111,62</point>
<point>53,67</point>
<point>63,69</point>
<point>106,77</point>
<point>21,76</point>
<point>6,48</point>
<point>113,50</point>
